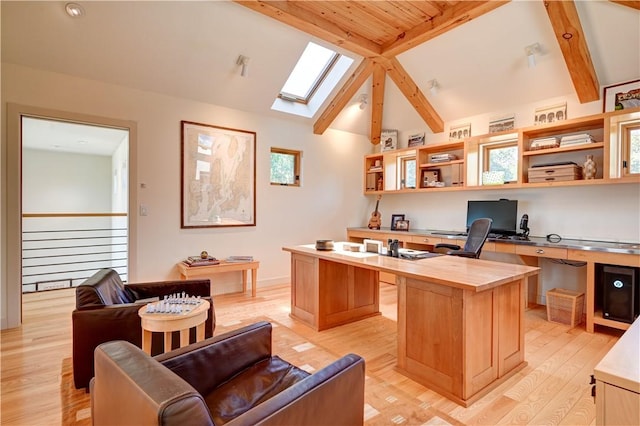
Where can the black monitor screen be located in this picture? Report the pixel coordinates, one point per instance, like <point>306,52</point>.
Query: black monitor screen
<point>503,212</point>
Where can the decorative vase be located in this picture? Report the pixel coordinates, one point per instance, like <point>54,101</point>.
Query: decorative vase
<point>589,168</point>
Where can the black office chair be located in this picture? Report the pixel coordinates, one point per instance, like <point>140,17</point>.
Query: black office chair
<point>478,232</point>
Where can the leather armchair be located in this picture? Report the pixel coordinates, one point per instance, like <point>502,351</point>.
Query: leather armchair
<point>231,379</point>
<point>106,310</point>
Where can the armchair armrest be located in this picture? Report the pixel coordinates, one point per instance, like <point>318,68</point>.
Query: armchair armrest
<point>462,253</point>
<point>332,396</point>
<point>211,362</point>
<point>131,388</point>
<point>161,288</point>
<point>447,246</point>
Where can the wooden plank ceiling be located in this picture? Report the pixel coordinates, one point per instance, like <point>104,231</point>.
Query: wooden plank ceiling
<point>381,30</point>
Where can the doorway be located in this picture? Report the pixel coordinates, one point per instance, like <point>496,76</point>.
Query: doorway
<point>64,204</point>
<point>74,202</point>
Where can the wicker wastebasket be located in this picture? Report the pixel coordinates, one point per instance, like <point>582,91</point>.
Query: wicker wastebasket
<point>565,306</point>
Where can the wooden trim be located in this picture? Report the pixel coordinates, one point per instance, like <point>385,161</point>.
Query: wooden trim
<point>25,215</point>
<point>377,102</point>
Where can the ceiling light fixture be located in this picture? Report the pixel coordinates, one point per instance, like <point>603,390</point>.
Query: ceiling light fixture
<point>532,50</point>
<point>434,87</point>
<point>363,99</point>
<point>244,62</point>
<point>74,10</point>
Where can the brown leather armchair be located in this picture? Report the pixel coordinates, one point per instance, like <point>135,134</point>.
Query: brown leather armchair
<point>106,310</point>
<point>230,379</point>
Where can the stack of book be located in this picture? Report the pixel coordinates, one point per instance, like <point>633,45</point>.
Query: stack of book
<point>200,261</point>
<point>441,158</point>
<point>580,139</point>
<point>543,143</point>
<point>239,259</point>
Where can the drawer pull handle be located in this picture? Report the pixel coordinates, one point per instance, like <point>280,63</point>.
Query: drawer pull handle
<point>426,240</point>
<point>540,251</point>
<point>549,172</point>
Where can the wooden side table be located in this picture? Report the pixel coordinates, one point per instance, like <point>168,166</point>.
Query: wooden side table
<point>187,271</point>
<point>168,323</point>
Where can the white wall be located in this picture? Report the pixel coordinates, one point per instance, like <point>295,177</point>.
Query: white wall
<point>58,182</point>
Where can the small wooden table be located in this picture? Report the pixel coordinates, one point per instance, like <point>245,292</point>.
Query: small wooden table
<point>168,323</point>
<point>187,271</point>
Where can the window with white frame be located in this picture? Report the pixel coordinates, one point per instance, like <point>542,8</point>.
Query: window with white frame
<point>501,157</point>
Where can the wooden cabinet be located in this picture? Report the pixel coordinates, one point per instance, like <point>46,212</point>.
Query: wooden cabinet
<point>618,381</point>
<point>326,294</point>
<point>459,164</point>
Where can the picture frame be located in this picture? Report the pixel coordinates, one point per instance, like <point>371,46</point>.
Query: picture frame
<point>402,225</point>
<point>550,114</point>
<point>394,220</point>
<point>415,140</point>
<point>502,124</point>
<point>389,140</point>
<point>460,131</point>
<point>218,176</point>
<point>621,96</point>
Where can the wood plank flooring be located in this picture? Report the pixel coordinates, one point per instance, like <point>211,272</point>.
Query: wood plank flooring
<point>552,390</point>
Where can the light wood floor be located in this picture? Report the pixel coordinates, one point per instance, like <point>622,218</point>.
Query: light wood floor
<point>553,389</point>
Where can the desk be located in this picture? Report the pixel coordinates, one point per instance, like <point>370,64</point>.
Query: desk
<point>593,253</point>
<point>460,321</point>
<point>168,323</point>
<point>187,272</point>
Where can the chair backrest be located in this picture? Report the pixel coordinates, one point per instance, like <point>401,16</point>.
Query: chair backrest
<point>103,288</point>
<point>478,232</point>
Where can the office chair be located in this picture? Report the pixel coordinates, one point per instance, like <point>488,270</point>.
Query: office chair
<point>478,232</point>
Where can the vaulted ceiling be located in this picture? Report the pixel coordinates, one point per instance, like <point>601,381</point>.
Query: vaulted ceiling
<point>381,30</point>
<point>474,49</point>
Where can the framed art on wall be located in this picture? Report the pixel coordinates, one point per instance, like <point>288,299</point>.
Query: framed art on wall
<point>621,96</point>
<point>218,185</point>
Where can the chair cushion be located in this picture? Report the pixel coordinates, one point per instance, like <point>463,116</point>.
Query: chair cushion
<point>251,387</point>
<point>102,288</point>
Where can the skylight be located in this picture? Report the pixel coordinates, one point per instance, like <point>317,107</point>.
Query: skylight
<point>314,77</point>
<point>312,68</point>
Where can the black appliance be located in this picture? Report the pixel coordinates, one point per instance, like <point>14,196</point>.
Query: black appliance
<point>620,296</point>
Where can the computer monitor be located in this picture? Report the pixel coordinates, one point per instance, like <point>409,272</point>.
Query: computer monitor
<point>504,214</point>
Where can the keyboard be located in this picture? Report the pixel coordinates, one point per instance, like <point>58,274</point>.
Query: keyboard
<point>457,234</point>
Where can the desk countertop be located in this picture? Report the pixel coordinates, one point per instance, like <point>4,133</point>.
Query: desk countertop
<point>469,274</point>
<point>590,245</point>
<point>620,366</point>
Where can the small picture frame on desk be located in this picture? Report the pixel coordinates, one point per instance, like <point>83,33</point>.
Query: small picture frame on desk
<point>402,225</point>
<point>394,220</point>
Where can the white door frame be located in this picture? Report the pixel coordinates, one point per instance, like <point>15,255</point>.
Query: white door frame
<point>12,252</point>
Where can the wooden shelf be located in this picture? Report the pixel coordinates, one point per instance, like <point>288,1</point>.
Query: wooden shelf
<point>441,164</point>
<point>582,147</point>
<point>598,319</point>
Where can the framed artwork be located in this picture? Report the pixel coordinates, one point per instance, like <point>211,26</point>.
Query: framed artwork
<point>218,176</point>
<point>550,114</point>
<point>394,221</point>
<point>460,131</point>
<point>621,96</point>
<point>402,225</point>
<point>389,140</point>
<point>502,124</point>
<point>416,140</point>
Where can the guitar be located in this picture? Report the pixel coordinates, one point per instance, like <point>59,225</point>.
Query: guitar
<point>376,217</point>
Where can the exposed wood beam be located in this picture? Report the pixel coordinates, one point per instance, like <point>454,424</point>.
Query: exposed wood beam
<point>451,18</point>
<point>631,4</point>
<point>377,102</point>
<point>344,95</point>
<point>568,29</point>
<point>287,12</point>
<point>412,92</point>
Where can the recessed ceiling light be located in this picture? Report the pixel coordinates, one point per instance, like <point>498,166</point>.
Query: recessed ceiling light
<point>74,10</point>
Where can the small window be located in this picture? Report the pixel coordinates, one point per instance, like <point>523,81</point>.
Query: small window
<point>408,172</point>
<point>631,148</point>
<point>285,167</point>
<point>310,71</point>
<point>502,157</point>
